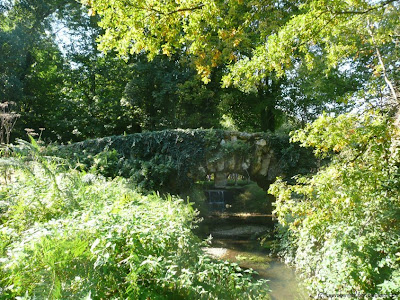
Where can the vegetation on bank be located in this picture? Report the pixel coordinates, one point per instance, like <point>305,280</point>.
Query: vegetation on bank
<point>67,235</point>
<point>341,227</point>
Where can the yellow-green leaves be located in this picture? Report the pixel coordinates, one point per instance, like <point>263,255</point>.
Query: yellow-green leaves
<point>338,31</point>
<point>213,32</point>
<point>342,224</point>
<point>330,134</point>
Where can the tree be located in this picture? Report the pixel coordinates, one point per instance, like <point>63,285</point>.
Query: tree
<point>167,93</point>
<point>31,67</point>
<point>340,227</point>
<point>236,33</point>
<point>340,32</point>
<point>242,41</point>
<point>151,93</point>
<point>212,31</point>
<point>73,91</point>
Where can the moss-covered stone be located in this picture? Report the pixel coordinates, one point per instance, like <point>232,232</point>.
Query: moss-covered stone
<point>172,160</point>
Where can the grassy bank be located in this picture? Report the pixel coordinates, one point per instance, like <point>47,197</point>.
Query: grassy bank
<point>70,235</point>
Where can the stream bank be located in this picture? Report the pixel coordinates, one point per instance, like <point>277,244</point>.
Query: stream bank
<point>237,217</point>
<point>236,238</point>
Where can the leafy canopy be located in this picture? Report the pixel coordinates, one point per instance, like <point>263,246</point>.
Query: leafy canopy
<point>212,31</point>
<point>247,36</point>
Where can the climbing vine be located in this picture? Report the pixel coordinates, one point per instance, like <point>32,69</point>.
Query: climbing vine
<point>170,160</point>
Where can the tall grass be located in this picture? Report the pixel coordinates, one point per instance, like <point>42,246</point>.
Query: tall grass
<point>71,235</point>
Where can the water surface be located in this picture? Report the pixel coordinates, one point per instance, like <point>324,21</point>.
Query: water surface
<point>283,281</point>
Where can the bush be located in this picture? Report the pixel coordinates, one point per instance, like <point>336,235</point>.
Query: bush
<point>72,235</point>
<point>341,226</point>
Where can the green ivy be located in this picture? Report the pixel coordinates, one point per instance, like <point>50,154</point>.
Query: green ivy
<point>166,160</point>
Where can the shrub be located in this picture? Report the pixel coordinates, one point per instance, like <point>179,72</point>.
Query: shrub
<point>341,226</point>
<point>72,235</point>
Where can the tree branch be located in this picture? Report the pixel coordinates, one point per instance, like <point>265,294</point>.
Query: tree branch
<point>170,12</point>
<point>187,9</point>
<point>380,59</point>
<point>357,12</point>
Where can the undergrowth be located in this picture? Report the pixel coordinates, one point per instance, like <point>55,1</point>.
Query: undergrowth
<point>341,227</point>
<point>66,234</point>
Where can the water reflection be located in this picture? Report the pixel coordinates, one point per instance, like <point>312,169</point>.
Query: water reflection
<point>283,281</point>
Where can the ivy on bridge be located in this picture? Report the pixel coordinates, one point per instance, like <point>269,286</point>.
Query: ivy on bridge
<point>172,160</point>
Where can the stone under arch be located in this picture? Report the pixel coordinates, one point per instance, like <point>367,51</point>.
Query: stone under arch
<point>258,163</point>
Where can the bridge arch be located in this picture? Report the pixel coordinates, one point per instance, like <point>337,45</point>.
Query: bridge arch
<point>172,160</point>
<point>250,155</point>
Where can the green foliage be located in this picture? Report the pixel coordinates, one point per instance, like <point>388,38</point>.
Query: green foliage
<point>167,93</point>
<point>154,160</point>
<point>228,150</point>
<point>210,31</point>
<point>253,199</point>
<point>306,94</point>
<point>70,90</point>
<point>68,87</point>
<point>94,238</point>
<point>65,85</point>
<point>339,32</point>
<point>105,163</point>
<point>293,159</point>
<point>264,49</point>
<point>262,40</point>
<point>340,227</point>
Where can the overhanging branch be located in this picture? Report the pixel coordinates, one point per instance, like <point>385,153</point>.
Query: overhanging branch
<point>362,12</point>
<point>169,12</point>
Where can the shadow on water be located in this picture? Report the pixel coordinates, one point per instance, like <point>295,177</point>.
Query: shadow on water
<point>283,281</point>
<point>238,243</point>
<point>236,218</point>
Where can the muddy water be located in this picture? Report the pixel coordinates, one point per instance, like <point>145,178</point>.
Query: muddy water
<point>283,281</point>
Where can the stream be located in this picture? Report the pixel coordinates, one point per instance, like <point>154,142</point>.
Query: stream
<point>238,243</point>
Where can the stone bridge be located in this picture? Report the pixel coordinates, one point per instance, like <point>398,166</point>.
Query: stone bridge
<point>172,160</point>
<point>247,154</point>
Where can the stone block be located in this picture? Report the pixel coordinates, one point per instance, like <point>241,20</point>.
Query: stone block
<point>220,166</point>
<point>220,180</point>
<point>261,143</point>
<point>265,165</point>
